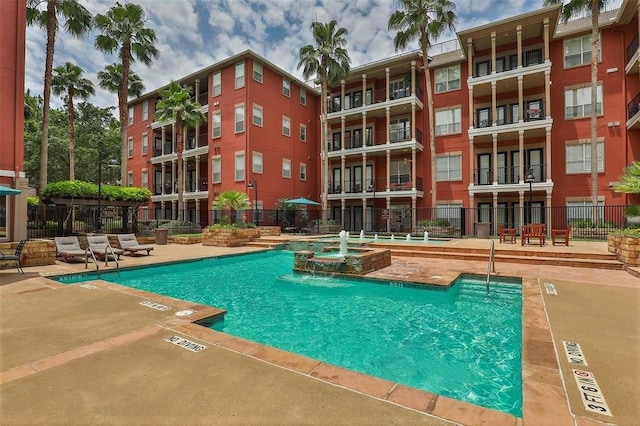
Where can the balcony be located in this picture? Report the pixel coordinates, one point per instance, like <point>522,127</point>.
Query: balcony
<point>533,118</point>
<point>633,113</point>
<point>400,185</point>
<point>354,144</point>
<point>508,175</point>
<point>633,57</point>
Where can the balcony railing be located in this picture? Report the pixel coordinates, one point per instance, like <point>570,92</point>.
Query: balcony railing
<point>379,95</point>
<point>397,182</point>
<point>375,138</point>
<point>508,175</point>
<point>168,149</point>
<point>634,107</point>
<point>632,48</point>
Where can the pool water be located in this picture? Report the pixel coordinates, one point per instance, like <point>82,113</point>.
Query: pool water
<point>461,342</point>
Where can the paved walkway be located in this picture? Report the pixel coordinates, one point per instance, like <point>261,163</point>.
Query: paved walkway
<point>93,354</point>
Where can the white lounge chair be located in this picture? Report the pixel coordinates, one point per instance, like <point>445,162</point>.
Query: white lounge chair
<point>69,247</point>
<point>129,243</point>
<point>101,247</point>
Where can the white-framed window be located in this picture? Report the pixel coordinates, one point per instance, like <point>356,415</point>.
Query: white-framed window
<point>303,132</point>
<point>130,147</point>
<point>130,179</point>
<point>217,83</point>
<point>256,162</point>
<point>239,75</point>
<point>145,179</point>
<point>303,96</point>
<point>145,144</point>
<point>449,167</point>
<point>239,118</point>
<point>257,71</point>
<point>582,210</point>
<point>577,102</point>
<point>578,156</point>
<point>286,126</point>
<point>286,168</point>
<point>447,79</point>
<point>130,116</point>
<point>216,169</point>
<point>450,211</point>
<point>303,171</point>
<point>257,115</point>
<point>145,110</point>
<point>216,124</point>
<point>577,51</point>
<point>239,166</point>
<point>286,88</point>
<point>448,121</point>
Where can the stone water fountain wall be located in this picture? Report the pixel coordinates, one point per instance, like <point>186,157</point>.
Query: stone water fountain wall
<point>358,261</point>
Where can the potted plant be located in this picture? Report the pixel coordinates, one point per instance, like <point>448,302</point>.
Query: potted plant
<point>632,214</point>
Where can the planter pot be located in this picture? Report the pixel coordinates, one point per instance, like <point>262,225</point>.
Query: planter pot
<point>626,248</point>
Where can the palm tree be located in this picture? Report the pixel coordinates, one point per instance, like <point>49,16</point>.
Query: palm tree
<point>123,30</point>
<point>425,20</point>
<point>231,201</point>
<point>572,8</point>
<point>629,182</point>
<point>77,22</point>
<point>176,105</point>
<point>68,79</point>
<point>327,61</point>
<point>111,77</point>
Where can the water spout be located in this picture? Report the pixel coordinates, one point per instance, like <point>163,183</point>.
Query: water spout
<point>344,236</point>
<point>426,236</point>
<point>362,234</point>
<point>408,237</point>
<point>393,237</point>
<point>375,237</point>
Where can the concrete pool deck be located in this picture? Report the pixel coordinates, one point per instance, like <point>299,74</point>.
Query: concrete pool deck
<point>78,355</point>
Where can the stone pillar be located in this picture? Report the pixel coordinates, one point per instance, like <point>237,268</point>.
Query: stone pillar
<point>494,160</point>
<point>519,44</point>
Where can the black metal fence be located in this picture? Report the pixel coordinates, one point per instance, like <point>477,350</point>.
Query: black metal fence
<point>587,223</point>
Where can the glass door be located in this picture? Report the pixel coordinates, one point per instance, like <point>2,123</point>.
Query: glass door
<point>484,169</point>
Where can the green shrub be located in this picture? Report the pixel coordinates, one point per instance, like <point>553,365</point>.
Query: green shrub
<point>231,226</point>
<point>80,189</point>
<point>33,201</point>
<point>632,210</point>
<point>434,222</point>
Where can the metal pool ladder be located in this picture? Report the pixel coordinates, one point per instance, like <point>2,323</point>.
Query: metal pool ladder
<point>491,267</point>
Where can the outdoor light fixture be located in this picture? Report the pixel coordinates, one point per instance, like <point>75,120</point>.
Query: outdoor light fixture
<point>253,184</point>
<point>530,178</point>
<point>370,188</point>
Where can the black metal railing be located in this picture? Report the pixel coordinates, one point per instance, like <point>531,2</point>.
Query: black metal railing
<point>634,107</point>
<point>632,48</point>
<point>509,174</point>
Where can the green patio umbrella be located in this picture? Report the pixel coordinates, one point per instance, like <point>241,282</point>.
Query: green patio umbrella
<point>5,190</point>
<point>302,201</point>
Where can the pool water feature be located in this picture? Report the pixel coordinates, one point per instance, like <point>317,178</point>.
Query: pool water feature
<point>461,342</point>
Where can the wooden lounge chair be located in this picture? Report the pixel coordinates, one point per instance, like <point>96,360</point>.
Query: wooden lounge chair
<point>15,257</point>
<point>68,248</point>
<point>101,247</point>
<point>560,236</point>
<point>507,235</point>
<point>129,243</point>
<point>533,231</point>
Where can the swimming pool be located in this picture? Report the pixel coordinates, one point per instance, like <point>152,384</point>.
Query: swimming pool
<point>459,342</point>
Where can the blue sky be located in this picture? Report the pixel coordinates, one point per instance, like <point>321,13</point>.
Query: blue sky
<point>193,34</point>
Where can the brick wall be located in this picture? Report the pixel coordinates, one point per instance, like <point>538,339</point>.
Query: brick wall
<point>35,253</point>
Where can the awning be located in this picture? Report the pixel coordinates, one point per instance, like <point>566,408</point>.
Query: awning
<point>5,190</point>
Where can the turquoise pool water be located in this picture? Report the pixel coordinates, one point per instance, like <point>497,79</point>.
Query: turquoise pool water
<point>460,342</point>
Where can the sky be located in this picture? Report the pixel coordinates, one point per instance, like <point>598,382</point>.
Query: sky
<point>193,34</point>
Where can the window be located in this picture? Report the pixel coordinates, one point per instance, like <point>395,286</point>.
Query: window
<point>145,144</point>
<point>286,88</point>
<point>399,88</point>
<point>449,167</point>
<point>577,51</point>
<point>256,162</point>
<point>130,116</point>
<point>145,110</point>
<point>483,68</point>
<point>303,96</point>
<point>130,179</point>
<point>239,166</point>
<point>579,157</point>
<point>216,175</point>
<point>303,171</point>
<point>399,130</point>
<point>257,115</point>
<point>216,124</point>
<point>400,172</point>
<point>217,83</point>
<point>449,121</point>
<point>239,75</point>
<point>447,79</point>
<point>451,212</point>
<point>577,102</point>
<point>286,126</point>
<point>239,118</point>
<point>582,210</point>
<point>145,179</point>
<point>257,72</point>
<point>303,132</point>
<point>130,147</point>
<point>286,168</point>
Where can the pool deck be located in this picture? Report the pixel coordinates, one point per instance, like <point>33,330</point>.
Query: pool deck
<point>93,354</point>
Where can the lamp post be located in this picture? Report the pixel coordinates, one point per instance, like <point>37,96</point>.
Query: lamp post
<point>530,178</point>
<point>372,187</point>
<point>254,184</point>
<point>112,163</point>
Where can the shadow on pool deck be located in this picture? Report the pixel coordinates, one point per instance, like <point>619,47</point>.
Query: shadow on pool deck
<point>76,355</point>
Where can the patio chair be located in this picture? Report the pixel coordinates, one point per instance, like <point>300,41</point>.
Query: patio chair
<point>129,243</point>
<point>101,247</point>
<point>507,235</point>
<point>15,256</point>
<point>68,248</point>
<point>560,236</point>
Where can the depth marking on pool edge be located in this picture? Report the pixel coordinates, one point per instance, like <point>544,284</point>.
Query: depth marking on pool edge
<point>184,343</point>
<point>590,392</point>
<point>574,353</point>
<point>89,286</point>
<point>154,305</point>
<point>550,289</point>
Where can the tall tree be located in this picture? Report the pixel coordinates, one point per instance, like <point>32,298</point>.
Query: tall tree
<point>77,22</point>
<point>327,61</point>
<point>594,7</point>
<point>425,20</point>
<point>68,79</point>
<point>122,29</point>
<point>176,105</point>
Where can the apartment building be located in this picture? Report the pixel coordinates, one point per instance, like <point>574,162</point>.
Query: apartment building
<point>511,101</point>
<point>260,137</point>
